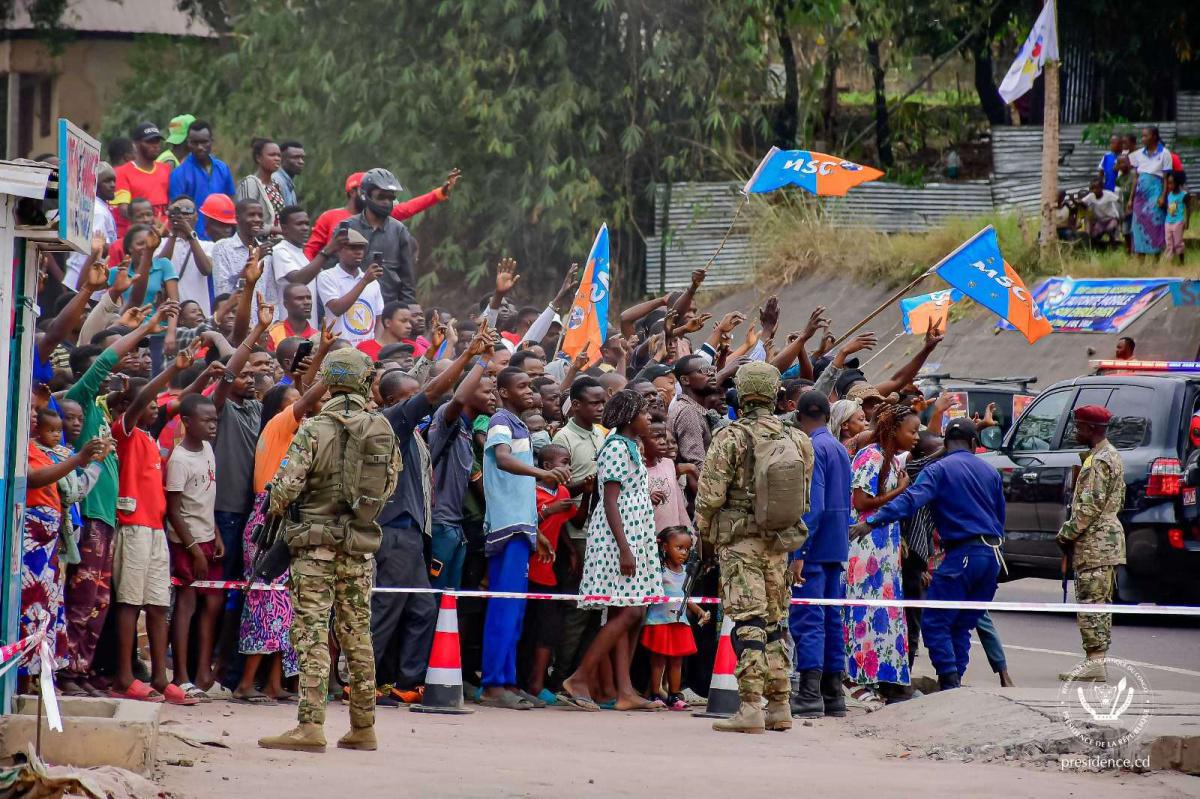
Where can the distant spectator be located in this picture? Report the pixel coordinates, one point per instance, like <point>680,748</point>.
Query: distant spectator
<point>1108,164</point>
<point>290,167</point>
<point>1178,215</point>
<point>201,173</point>
<point>1152,162</point>
<point>176,141</point>
<point>143,176</point>
<point>260,185</point>
<point>1103,213</point>
<point>1125,348</point>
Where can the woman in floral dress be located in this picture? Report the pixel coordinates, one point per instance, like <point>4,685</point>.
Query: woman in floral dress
<point>877,638</point>
<point>621,561</point>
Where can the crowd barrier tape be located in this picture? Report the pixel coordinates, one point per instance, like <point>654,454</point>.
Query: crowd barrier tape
<point>931,604</point>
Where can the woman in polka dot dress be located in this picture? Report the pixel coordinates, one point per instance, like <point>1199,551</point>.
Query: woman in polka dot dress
<point>621,561</point>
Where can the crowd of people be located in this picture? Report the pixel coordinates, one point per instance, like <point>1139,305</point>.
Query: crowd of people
<point>1138,199</point>
<point>177,364</point>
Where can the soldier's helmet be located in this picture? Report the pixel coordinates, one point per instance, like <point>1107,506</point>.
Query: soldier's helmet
<point>350,369</point>
<point>757,381</point>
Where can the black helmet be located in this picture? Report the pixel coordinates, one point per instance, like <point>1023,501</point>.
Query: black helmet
<point>379,178</point>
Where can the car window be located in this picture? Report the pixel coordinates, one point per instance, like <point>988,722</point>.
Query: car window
<point>1035,431</point>
<point>1131,408</point>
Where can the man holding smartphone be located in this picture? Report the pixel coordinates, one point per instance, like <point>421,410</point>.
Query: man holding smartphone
<point>386,235</point>
<point>350,293</point>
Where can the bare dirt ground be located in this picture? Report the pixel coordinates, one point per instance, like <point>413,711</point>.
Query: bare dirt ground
<point>497,753</point>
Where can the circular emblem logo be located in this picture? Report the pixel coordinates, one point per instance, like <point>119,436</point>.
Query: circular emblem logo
<point>576,318</point>
<point>360,319</point>
<point>1105,715</point>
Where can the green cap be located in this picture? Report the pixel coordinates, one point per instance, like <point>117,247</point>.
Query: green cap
<point>348,368</point>
<point>757,380</point>
<point>178,129</point>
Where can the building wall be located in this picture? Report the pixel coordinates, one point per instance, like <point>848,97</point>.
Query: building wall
<point>85,76</point>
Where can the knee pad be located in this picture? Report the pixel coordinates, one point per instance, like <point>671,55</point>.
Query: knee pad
<point>744,635</point>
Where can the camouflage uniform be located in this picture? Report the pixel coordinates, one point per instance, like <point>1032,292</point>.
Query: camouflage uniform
<point>323,575</point>
<point>754,585</point>
<point>1097,539</point>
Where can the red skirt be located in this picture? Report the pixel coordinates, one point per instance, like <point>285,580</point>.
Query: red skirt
<point>673,640</point>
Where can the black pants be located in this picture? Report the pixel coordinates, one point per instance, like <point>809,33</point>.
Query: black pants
<point>402,625</point>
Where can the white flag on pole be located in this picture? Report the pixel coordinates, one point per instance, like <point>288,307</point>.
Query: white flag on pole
<point>1040,47</point>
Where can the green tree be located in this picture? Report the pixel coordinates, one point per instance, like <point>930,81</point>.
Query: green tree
<point>561,113</point>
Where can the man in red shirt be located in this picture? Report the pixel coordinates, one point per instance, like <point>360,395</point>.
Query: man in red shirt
<point>143,176</point>
<point>394,325</point>
<point>322,229</point>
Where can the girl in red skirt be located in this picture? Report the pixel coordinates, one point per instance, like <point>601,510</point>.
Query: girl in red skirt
<point>667,639</point>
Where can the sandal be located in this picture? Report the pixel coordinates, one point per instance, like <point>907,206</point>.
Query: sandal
<point>70,688</point>
<point>138,691</point>
<point>193,691</point>
<point>175,695</point>
<point>506,700</point>
<point>256,698</point>
<point>866,697</point>
<point>676,702</point>
<point>569,701</point>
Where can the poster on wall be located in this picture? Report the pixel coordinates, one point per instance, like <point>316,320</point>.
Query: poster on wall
<point>1096,305</point>
<point>78,159</point>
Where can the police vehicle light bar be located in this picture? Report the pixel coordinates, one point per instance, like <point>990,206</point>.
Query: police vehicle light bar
<point>1144,366</point>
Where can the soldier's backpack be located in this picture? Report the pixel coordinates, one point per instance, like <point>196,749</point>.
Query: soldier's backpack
<point>371,466</point>
<point>779,471</point>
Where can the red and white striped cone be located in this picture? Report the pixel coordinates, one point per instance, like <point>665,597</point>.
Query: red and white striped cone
<point>443,678</point>
<point>723,699</point>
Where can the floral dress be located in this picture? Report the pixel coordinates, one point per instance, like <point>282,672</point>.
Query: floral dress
<point>876,638</point>
<point>266,615</point>
<point>619,461</point>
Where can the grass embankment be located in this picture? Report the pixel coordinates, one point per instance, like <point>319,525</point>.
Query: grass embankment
<point>797,241</point>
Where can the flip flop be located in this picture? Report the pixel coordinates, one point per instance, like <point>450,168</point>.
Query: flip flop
<point>285,698</point>
<point>648,707</point>
<point>138,691</point>
<point>568,701</point>
<point>175,695</point>
<point>193,691</point>
<point>71,688</point>
<point>506,700</point>
<point>253,699</point>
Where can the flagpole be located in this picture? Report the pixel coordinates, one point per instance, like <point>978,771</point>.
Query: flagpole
<point>725,238</point>
<point>1050,138</point>
<point>906,289</point>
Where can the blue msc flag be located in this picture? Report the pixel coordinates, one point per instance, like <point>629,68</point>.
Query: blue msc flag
<point>977,269</point>
<point>587,321</point>
<point>814,172</point>
<point>928,310</point>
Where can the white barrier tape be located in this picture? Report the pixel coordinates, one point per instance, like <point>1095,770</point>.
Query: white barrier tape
<point>46,680</point>
<point>933,604</point>
<point>23,650</point>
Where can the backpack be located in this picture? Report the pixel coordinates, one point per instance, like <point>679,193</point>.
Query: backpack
<point>371,466</point>
<point>779,471</point>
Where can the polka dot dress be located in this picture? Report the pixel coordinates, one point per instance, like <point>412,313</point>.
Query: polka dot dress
<point>602,561</point>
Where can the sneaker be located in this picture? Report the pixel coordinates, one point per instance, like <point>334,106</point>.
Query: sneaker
<point>692,698</point>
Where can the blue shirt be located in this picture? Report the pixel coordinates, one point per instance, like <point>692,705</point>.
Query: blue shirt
<point>828,517</point>
<point>190,178</point>
<point>969,494</point>
<point>511,499</point>
<point>161,270</point>
<point>286,187</point>
<point>1108,165</point>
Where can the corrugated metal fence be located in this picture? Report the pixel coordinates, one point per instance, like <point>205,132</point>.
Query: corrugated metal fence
<point>691,218</point>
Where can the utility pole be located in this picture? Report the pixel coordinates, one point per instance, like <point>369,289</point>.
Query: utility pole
<point>1049,236</point>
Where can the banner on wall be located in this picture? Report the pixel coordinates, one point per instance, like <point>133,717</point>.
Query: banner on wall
<point>1096,305</point>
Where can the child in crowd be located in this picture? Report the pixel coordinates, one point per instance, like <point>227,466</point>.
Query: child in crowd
<point>667,636</point>
<point>141,565</point>
<point>543,623</point>
<point>510,491</point>
<point>1175,200</point>
<point>670,506</point>
<point>195,547</point>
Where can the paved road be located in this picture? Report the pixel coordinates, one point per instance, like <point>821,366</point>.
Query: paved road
<point>1039,645</point>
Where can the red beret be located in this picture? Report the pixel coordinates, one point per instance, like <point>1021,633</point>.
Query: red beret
<point>1093,414</point>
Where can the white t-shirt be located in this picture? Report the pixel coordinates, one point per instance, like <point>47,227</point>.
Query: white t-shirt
<point>358,323</point>
<point>102,220</point>
<point>1104,207</point>
<point>1151,163</point>
<point>286,258</point>
<point>193,284</point>
<point>194,476</point>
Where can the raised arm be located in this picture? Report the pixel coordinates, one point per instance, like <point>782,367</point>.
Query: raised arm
<point>481,348</point>
<point>93,277</point>
<point>631,316</point>
<point>796,348</point>
<point>266,314</point>
<point>251,273</point>
<point>907,373</point>
<point>340,305</point>
<point>160,381</point>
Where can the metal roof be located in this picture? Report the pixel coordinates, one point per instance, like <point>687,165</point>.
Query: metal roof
<point>120,16</point>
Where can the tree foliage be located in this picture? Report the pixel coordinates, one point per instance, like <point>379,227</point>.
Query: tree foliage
<point>562,114</point>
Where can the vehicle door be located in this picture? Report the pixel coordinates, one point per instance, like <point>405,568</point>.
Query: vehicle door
<point>1020,463</point>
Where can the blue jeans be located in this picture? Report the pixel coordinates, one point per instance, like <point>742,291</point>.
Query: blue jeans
<point>231,526</point>
<point>508,570</point>
<point>967,574</point>
<point>993,647</point>
<point>449,548</point>
<point>816,629</point>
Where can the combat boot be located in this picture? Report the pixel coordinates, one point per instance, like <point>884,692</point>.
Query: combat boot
<point>749,718</point>
<point>949,680</point>
<point>359,738</point>
<point>832,695</point>
<point>1093,671</point>
<point>302,738</point>
<point>779,715</point>
<point>806,701</point>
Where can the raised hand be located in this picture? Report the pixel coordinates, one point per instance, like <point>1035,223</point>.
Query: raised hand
<point>506,276</point>
<point>187,356</point>
<point>122,280</point>
<point>437,333</point>
<point>934,336</point>
<point>266,311</point>
<point>582,361</point>
<point>372,273</point>
<point>327,336</point>
<point>768,317</point>
<point>729,322</point>
<point>698,276</point>
<point>168,310</point>
<point>482,343</point>
<point>695,324</point>
<point>252,271</point>
<point>95,449</point>
<point>816,320</point>
<point>451,180</point>
<point>568,288</point>
<point>96,278</point>
<point>863,341</point>
<point>98,244</point>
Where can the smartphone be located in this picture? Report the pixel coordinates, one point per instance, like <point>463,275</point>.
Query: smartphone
<point>377,257</point>
<point>303,351</point>
<point>241,284</point>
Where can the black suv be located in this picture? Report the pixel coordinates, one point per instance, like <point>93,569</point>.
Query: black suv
<point>1039,460</point>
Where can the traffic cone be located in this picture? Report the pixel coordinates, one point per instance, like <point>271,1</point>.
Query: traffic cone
<point>723,699</point>
<point>443,678</point>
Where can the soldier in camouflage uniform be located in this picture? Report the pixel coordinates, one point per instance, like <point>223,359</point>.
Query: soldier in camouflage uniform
<point>1093,536</point>
<point>755,586</point>
<point>326,572</point>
